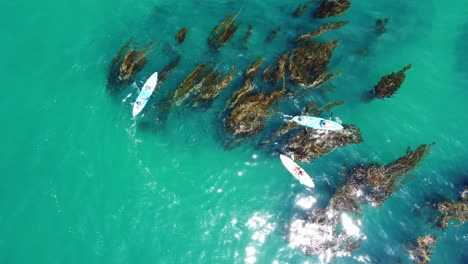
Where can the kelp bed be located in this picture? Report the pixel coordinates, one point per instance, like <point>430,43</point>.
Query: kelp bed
<point>296,72</point>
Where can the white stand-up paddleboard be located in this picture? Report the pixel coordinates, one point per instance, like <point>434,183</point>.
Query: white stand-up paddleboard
<point>298,172</point>
<point>145,94</point>
<point>317,123</point>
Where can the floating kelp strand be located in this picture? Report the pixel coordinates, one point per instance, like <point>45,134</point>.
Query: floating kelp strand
<point>185,88</point>
<point>323,28</point>
<point>254,68</point>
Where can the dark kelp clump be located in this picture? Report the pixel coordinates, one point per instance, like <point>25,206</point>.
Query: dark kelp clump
<point>211,89</point>
<point>273,34</point>
<point>453,210</point>
<point>322,234</point>
<point>307,65</point>
<point>222,33</point>
<point>322,29</point>
<point>180,37</point>
<point>248,111</point>
<point>380,25</point>
<point>301,9</point>
<point>308,144</point>
<point>168,69</point>
<point>127,63</point>
<point>247,35</point>
<point>389,84</point>
<point>375,183</point>
<point>330,8</point>
<point>274,73</point>
<point>421,251</point>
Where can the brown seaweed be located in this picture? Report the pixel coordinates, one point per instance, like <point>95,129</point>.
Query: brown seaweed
<point>389,84</point>
<point>301,9</point>
<point>248,111</point>
<point>224,32</point>
<point>180,37</point>
<point>213,88</point>
<point>248,33</point>
<point>273,34</point>
<point>322,29</point>
<point>274,73</point>
<point>374,183</point>
<point>307,65</point>
<point>253,69</point>
<point>420,252</point>
<point>453,210</point>
<point>380,25</point>
<point>127,63</point>
<point>330,8</point>
<point>190,84</point>
<point>168,69</point>
<point>308,144</point>
<point>318,235</point>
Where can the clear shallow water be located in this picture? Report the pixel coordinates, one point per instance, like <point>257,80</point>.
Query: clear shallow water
<point>83,182</point>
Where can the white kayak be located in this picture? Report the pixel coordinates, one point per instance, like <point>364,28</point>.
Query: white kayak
<point>317,123</point>
<point>145,94</point>
<point>298,172</point>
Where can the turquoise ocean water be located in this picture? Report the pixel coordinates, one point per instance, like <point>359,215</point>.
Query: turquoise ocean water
<point>84,183</point>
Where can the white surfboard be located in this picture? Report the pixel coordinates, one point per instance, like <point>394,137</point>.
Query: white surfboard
<point>317,123</point>
<point>298,172</point>
<point>145,94</point>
